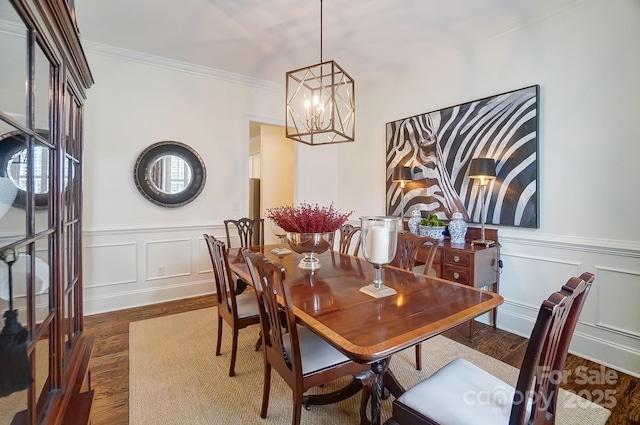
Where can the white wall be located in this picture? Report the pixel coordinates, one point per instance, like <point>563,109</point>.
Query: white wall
<point>586,62</point>
<point>133,105</point>
<point>135,252</point>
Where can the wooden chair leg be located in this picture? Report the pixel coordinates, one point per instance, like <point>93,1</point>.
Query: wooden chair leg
<point>418,357</point>
<point>259,342</point>
<point>234,352</point>
<point>471,324</point>
<point>297,409</point>
<point>494,317</point>
<point>265,390</point>
<point>219,342</point>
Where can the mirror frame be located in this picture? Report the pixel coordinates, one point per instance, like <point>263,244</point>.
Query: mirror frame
<point>149,191</point>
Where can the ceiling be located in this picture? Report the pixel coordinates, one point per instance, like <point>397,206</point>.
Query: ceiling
<point>264,39</point>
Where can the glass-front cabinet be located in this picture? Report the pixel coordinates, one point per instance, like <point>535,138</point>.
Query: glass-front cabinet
<point>44,77</point>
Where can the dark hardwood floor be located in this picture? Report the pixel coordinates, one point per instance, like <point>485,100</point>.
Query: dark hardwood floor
<point>110,363</point>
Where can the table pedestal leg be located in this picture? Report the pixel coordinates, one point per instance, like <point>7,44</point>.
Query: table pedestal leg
<point>380,369</point>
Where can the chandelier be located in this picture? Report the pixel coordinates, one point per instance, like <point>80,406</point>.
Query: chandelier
<point>320,103</point>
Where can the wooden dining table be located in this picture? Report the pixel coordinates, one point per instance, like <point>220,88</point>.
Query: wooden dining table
<point>367,329</point>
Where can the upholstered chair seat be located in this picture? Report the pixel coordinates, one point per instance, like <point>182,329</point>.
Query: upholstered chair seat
<point>461,393</point>
<point>247,305</point>
<point>315,352</point>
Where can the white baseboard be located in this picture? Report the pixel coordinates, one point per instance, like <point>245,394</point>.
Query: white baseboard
<point>137,298</point>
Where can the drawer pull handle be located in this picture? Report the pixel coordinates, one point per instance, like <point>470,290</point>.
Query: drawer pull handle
<point>456,259</point>
<point>456,275</point>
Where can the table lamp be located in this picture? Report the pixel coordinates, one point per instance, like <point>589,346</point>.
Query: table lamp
<point>403,175</point>
<point>483,169</point>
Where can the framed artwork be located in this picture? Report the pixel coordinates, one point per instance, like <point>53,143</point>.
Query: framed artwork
<point>438,147</point>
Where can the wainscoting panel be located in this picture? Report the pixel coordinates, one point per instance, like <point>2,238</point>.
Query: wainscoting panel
<point>609,327</point>
<point>169,258</point>
<point>529,279</point>
<point>618,297</point>
<point>204,259</point>
<point>113,264</point>
<point>129,267</point>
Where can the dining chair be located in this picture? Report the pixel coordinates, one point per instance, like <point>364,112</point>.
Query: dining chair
<point>347,232</point>
<point>249,232</point>
<point>407,250</point>
<point>461,393</point>
<point>299,356</point>
<point>238,311</point>
<point>406,254</point>
<point>572,320</point>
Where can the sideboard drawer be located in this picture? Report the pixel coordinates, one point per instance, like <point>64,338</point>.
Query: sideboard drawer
<point>457,258</point>
<point>457,275</point>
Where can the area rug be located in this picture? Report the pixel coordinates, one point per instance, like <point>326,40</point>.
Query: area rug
<point>176,378</point>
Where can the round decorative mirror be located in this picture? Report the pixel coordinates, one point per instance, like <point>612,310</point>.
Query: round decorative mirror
<point>169,174</point>
<point>13,167</point>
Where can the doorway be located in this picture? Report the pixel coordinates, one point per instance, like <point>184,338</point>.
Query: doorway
<point>271,171</point>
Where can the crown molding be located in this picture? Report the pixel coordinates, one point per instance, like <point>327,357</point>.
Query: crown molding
<point>143,58</point>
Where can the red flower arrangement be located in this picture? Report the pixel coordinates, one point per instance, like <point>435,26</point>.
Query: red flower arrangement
<point>306,218</point>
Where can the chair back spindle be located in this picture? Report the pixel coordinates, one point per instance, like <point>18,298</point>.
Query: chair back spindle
<point>225,291</point>
<point>407,250</point>
<point>249,231</point>
<point>547,351</point>
<point>347,232</point>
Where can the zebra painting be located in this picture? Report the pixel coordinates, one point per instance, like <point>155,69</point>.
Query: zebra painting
<point>438,147</point>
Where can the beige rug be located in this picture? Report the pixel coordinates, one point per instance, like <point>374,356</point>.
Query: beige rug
<point>175,378</point>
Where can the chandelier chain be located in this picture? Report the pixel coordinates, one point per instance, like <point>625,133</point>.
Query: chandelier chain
<point>320,31</point>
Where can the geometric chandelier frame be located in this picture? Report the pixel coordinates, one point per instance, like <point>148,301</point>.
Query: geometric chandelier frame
<point>321,104</point>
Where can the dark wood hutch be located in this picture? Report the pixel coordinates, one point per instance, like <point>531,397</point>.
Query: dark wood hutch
<point>44,76</point>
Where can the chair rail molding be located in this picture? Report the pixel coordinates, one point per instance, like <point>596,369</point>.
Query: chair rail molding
<point>601,246</point>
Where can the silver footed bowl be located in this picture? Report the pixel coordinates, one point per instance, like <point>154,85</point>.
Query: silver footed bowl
<point>306,243</point>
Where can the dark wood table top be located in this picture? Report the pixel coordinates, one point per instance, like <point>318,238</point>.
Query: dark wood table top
<point>366,329</point>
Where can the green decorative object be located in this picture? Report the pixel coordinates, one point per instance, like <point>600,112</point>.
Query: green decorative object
<point>432,227</point>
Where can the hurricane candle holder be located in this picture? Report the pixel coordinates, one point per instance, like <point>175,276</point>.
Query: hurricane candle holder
<point>379,241</point>
<point>282,234</point>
